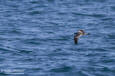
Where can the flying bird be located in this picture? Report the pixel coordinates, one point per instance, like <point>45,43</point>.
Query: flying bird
<point>78,34</point>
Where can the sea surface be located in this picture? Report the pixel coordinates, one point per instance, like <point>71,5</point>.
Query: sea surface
<point>36,38</point>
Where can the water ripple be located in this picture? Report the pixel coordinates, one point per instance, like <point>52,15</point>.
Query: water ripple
<point>37,36</point>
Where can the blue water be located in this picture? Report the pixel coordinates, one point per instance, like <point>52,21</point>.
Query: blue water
<point>37,36</point>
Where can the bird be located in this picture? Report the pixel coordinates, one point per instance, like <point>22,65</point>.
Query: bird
<point>78,34</point>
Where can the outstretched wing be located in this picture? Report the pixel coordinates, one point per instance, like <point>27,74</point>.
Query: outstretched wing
<point>76,36</point>
<point>75,40</point>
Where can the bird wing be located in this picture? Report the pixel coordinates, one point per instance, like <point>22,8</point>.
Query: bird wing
<point>75,40</point>
<point>76,36</point>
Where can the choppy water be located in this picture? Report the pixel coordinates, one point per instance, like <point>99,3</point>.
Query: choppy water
<point>37,36</point>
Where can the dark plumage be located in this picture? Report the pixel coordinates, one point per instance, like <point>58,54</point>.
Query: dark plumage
<point>77,35</point>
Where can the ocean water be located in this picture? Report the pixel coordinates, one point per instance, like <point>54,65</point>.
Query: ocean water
<point>36,38</point>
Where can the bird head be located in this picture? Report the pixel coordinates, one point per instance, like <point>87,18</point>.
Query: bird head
<point>81,32</point>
